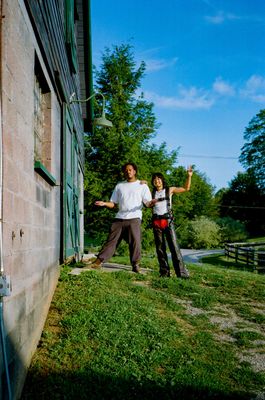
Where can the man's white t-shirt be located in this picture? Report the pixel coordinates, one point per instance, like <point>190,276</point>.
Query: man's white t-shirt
<point>130,197</point>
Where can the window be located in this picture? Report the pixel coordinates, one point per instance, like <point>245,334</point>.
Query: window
<point>42,125</point>
<point>70,35</point>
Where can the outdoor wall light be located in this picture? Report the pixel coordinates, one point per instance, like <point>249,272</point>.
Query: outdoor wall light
<point>101,121</point>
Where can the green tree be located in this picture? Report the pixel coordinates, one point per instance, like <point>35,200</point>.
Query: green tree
<point>197,202</point>
<point>232,230</point>
<point>134,124</point>
<point>244,201</point>
<point>253,152</point>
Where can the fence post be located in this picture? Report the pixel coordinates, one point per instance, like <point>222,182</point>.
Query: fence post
<point>261,260</point>
<point>247,256</point>
<point>250,255</point>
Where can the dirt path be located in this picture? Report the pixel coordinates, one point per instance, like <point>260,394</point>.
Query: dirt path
<point>194,256</point>
<point>189,256</point>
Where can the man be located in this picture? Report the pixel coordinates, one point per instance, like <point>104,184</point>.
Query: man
<point>129,196</point>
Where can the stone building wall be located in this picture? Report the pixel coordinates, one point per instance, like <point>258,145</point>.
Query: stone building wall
<point>31,206</point>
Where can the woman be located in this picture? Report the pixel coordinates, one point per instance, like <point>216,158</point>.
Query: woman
<point>163,226</point>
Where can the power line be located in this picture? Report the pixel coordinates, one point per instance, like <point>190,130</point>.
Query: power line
<point>258,208</point>
<point>212,157</point>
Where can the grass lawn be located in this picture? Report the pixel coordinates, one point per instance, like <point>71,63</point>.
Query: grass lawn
<point>222,261</point>
<point>125,336</point>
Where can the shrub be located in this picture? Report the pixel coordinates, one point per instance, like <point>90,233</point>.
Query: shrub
<point>232,230</point>
<point>200,233</point>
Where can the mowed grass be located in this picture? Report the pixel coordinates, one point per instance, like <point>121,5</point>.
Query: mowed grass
<point>131,336</point>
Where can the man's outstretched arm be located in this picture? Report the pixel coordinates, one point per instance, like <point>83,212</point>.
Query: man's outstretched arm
<point>108,204</point>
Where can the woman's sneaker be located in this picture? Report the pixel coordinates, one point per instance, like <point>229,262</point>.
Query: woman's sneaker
<point>185,274</point>
<point>136,268</point>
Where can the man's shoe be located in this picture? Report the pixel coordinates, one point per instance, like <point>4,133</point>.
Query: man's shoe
<point>94,265</point>
<point>91,260</point>
<point>136,268</point>
<point>87,263</point>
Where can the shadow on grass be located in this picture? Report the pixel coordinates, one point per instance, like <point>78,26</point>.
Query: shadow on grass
<point>220,260</point>
<point>89,385</point>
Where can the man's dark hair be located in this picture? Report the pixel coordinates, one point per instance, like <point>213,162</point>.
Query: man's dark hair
<point>123,168</point>
<point>161,176</point>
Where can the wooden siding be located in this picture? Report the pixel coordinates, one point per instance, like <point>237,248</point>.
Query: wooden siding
<point>85,61</point>
<point>48,22</point>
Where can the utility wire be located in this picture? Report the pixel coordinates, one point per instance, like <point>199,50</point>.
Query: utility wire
<point>258,208</point>
<point>213,157</point>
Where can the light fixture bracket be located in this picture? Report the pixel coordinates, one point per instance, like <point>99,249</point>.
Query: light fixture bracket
<point>101,121</point>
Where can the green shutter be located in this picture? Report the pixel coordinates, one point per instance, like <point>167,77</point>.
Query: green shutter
<point>71,189</point>
<point>70,33</point>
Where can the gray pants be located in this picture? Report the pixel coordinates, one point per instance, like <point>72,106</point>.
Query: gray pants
<point>130,231</point>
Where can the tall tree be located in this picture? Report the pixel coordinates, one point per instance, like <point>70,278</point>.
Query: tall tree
<point>134,124</point>
<point>244,201</point>
<point>253,152</point>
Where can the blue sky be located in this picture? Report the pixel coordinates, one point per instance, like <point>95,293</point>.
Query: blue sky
<point>205,71</point>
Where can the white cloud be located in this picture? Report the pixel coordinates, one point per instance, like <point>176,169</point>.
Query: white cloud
<point>193,98</point>
<point>220,18</point>
<point>159,64</point>
<point>186,99</point>
<point>223,88</point>
<point>254,89</point>
<point>154,62</point>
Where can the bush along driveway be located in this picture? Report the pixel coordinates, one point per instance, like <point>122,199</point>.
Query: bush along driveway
<point>137,336</point>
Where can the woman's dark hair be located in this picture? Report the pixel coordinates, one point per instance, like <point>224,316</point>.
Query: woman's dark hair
<point>123,168</point>
<point>160,176</point>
